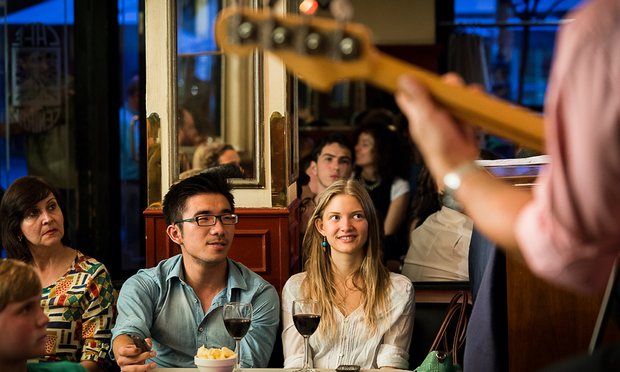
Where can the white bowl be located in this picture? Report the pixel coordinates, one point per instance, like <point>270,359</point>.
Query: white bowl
<point>214,365</point>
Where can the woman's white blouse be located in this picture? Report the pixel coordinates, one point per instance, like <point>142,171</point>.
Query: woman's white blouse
<point>353,343</point>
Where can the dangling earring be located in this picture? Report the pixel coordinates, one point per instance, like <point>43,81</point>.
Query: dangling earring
<point>20,238</point>
<point>324,244</point>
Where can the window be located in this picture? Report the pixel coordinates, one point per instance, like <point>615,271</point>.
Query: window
<point>507,46</point>
<point>518,39</point>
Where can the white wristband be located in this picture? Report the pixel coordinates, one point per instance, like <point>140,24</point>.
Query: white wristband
<point>452,181</point>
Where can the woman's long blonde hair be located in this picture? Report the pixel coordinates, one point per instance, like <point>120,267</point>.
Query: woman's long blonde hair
<point>372,277</point>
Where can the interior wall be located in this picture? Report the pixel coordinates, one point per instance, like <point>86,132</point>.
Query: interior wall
<point>398,21</point>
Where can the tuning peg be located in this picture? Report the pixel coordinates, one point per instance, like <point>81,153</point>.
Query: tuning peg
<point>281,36</point>
<point>309,41</point>
<point>242,30</point>
<point>274,35</point>
<point>314,42</point>
<point>347,47</point>
<point>247,30</point>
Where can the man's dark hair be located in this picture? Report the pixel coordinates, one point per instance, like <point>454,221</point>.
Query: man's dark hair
<point>225,170</point>
<point>338,138</point>
<point>203,183</point>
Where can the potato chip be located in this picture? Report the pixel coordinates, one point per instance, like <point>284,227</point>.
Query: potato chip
<point>227,353</point>
<point>215,353</point>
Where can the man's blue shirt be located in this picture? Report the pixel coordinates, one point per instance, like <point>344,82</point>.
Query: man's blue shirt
<point>157,303</point>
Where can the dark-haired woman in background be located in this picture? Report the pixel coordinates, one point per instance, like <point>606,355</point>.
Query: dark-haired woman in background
<point>382,166</point>
<point>78,296</point>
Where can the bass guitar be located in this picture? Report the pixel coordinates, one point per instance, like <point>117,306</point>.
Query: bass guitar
<point>323,52</point>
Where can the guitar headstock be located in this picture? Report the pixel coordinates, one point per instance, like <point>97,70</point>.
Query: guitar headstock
<point>321,51</point>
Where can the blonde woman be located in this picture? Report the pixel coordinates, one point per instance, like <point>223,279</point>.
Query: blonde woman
<point>366,311</point>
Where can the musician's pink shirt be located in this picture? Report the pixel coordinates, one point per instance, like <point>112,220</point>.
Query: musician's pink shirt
<point>570,233</point>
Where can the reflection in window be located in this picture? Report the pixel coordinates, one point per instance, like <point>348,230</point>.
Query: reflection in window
<point>36,124</point>
<point>518,39</point>
<point>199,66</point>
<point>512,44</point>
<point>131,131</point>
<point>218,96</point>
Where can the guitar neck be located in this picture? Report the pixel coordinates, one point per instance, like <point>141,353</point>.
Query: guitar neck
<point>495,116</point>
<point>319,69</point>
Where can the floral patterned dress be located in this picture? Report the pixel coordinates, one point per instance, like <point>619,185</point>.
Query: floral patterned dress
<point>81,309</point>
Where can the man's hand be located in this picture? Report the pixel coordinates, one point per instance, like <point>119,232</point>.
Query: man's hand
<point>447,144</point>
<point>444,143</point>
<point>129,357</point>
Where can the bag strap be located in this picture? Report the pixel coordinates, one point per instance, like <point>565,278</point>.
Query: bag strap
<point>458,305</point>
<point>461,327</point>
<point>441,334</point>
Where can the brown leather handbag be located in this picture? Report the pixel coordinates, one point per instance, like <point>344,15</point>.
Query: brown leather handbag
<point>442,356</point>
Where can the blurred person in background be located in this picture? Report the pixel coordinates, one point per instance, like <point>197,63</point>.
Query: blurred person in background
<point>382,167</point>
<point>332,160</point>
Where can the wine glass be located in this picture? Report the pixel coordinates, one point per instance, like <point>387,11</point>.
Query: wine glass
<point>237,319</point>
<point>306,316</point>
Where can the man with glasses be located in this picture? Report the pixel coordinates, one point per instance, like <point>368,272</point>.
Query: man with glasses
<point>177,305</point>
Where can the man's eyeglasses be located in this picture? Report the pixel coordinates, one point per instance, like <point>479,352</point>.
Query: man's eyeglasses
<point>211,219</point>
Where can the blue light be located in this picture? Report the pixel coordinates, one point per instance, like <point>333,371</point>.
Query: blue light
<point>465,8</point>
<point>50,12</point>
<point>128,12</point>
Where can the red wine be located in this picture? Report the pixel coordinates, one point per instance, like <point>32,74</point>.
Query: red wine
<point>306,324</point>
<point>237,327</point>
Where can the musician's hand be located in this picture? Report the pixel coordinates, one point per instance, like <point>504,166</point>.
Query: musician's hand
<point>444,142</point>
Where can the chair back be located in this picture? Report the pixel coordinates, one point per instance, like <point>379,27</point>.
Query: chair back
<point>610,307</point>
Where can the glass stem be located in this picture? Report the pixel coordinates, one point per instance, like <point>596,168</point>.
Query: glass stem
<point>238,348</point>
<point>306,346</point>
